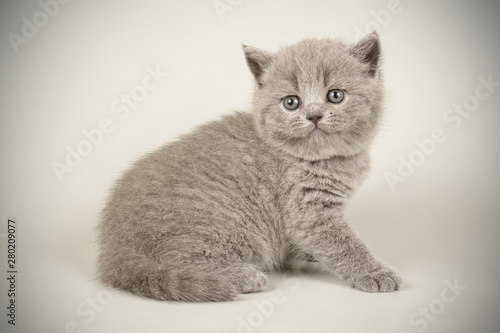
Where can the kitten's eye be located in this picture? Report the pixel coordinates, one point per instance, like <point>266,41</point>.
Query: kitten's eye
<point>335,96</point>
<point>291,102</point>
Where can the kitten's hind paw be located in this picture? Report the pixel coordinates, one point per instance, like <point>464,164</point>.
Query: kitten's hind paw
<point>248,279</point>
<point>382,280</point>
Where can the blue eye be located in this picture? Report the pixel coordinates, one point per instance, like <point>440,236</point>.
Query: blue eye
<point>335,96</point>
<point>291,102</point>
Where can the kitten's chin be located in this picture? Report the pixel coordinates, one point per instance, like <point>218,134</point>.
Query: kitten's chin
<point>319,145</point>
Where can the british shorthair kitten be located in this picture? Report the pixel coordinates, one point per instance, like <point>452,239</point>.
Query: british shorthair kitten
<point>206,217</point>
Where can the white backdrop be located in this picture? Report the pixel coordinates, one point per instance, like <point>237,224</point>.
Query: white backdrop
<point>87,87</point>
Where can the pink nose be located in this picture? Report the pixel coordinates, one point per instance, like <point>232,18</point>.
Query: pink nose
<point>314,119</point>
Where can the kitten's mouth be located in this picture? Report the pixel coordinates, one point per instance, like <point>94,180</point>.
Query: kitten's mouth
<point>327,129</point>
<point>319,128</point>
<point>317,132</point>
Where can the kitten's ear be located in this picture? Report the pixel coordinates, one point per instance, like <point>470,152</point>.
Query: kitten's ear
<point>257,60</point>
<point>367,51</point>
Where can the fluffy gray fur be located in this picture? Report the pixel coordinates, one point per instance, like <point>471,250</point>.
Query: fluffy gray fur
<point>207,216</point>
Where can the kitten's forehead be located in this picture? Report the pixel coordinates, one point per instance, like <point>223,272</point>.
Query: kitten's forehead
<point>314,62</point>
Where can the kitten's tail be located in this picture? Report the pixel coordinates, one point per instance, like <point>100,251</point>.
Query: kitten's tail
<point>146,277</point>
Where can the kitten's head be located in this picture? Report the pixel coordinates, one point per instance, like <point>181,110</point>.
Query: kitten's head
<point>318,98</point>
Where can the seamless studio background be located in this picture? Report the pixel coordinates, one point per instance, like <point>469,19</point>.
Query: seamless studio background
<point>87,87</point>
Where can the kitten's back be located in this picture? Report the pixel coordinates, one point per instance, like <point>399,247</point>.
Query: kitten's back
<point>200,198</point>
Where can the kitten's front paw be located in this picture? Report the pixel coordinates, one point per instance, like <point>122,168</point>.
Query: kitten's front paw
<point>382,280</point>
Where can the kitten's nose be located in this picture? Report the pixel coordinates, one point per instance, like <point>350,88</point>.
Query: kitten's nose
<point>314,119</point>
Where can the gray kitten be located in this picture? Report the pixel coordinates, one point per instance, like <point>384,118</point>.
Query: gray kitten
<point>207,216</point>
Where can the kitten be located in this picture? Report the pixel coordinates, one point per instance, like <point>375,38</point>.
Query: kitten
<point>207,216</point>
